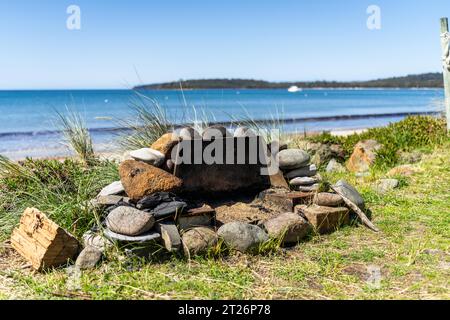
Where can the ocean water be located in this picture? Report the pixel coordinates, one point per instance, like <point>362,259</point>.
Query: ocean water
<point>27,118</point>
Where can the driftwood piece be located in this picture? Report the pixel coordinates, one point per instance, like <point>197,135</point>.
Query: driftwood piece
<point>42,242</point>
<point>358,211</point>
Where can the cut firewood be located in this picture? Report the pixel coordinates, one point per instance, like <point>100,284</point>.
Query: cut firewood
<point>42,242</point>
<point>358,211</point>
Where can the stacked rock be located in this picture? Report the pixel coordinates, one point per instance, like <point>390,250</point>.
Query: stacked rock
<point>298,171</point>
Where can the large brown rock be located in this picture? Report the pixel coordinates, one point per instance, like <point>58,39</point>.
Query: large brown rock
<point>363,156</point>
<point>290,226</point>
<point>140,179</point>
<point>324,219</point>
<point>198,240</point>
<point>165,144</point>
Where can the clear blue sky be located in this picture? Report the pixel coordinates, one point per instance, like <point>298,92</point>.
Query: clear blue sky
<point>167,40</point>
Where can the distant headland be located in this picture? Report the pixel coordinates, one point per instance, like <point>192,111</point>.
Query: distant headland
<point>426,80</point>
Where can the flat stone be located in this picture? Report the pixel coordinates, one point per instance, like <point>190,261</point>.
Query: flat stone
<point>303,181</point>
<point>198,240</point>
<point>350,192</point>
<point>386,185</point>
<point>170,236</point>
<point>150,236</point>
<point>165,144</point>
<point>325,219</point>
<point>307,171</point>
<point>328,199</point>
<point>290,226</point>
<point>364,155</point>
<point>244,132</point>
<point>292,159</point>
<point>334,166</point>
<point>106,201</point>
<point>149,156</point>
<point>195,217</point>
<point>112,189</point>
<point>92,239</point>
<point>140,179</point>
<point>311,188</point>
<point>88,258</point>
<point>242,236</point>
<point>129,221</point>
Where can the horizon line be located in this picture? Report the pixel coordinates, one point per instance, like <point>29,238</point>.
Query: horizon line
<point>224,78</point>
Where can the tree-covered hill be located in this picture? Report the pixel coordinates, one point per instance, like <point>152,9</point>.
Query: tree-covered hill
<point>426,80</point>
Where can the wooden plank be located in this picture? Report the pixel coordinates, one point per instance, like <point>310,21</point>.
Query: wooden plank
<point>42,242</point>
<point>446,71</point>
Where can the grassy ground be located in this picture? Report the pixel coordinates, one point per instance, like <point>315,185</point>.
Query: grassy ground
<point>411,254</point>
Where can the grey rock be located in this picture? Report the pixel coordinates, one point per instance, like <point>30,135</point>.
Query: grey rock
<point>129,221</point>
<point>386,185</point>
<point>170,165</point>
<point>334,166</point>
<point>150,236</point>
<point>215,131</point>
<point>292,159</point>
<point>149,156</point>
<point>189,133</point>
<point>88,258</point>
<point>92,239</point>
<point>311,188</point>
<point>290,226</point>
<point>322,155</point>
<point>106,201</point>
<point>307,171</point>
<point>410,157</point>
<point>241,132</point>
<point>350,192</point>
<point>328,199</point>
<point>112,189</point>
<point>198,240</point>
<point>276,146</point>
<point>170,236</point>
<point>242,236</point>
<point>303,181</point>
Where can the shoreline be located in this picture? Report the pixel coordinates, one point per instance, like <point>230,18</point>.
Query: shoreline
<point>285,121</point>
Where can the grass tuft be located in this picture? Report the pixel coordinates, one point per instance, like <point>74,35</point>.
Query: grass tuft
<point>149,122</point>
<point>77,135</point>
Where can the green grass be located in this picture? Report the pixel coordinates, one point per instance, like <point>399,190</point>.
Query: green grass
<point>413,133</point>
<point>60,189</point>
<point>413,219</point>
<point>77,135</point>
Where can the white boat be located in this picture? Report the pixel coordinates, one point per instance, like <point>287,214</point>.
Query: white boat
<point>294,89</point>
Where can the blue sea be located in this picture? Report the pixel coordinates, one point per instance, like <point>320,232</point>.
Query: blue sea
<point>27,118</point>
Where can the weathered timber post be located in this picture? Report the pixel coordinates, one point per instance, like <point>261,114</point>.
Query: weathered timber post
<point>445,42</point>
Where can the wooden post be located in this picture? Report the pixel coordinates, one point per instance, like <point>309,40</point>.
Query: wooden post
<point>445,44</point>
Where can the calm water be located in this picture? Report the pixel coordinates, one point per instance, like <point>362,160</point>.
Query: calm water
<point>27,117</point>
